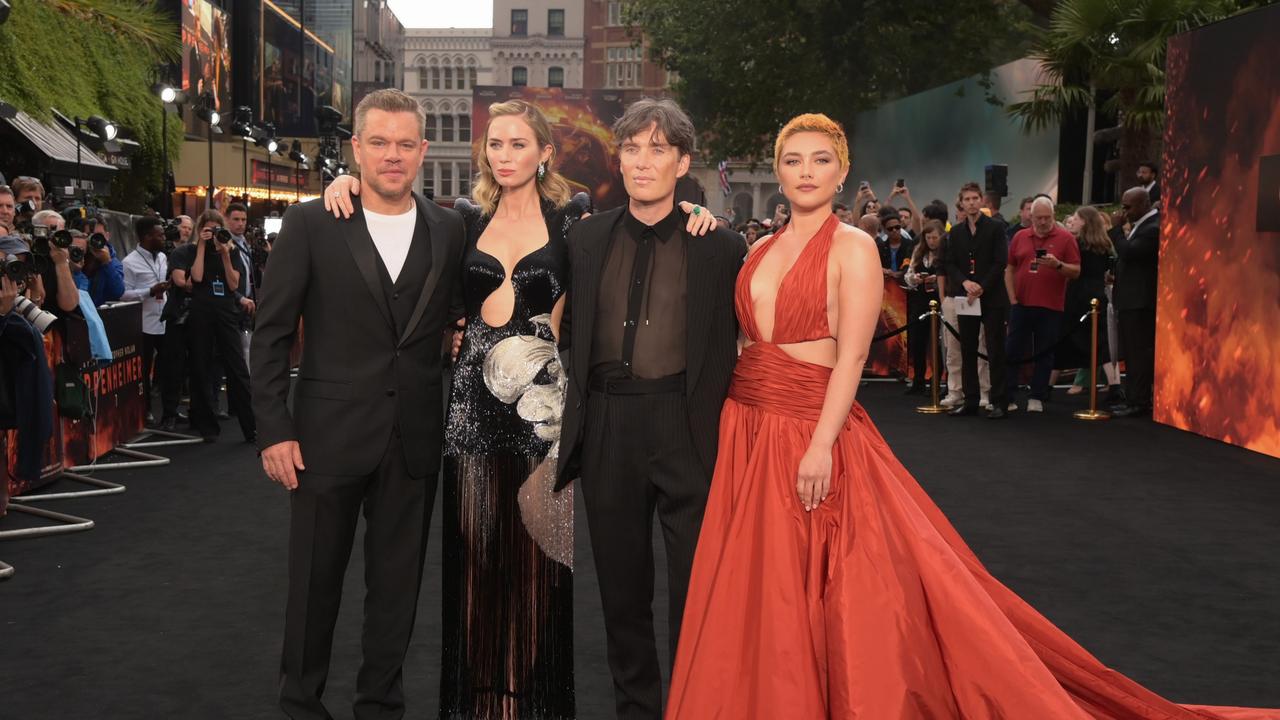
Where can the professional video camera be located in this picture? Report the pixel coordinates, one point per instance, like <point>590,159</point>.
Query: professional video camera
<point>26,207</point>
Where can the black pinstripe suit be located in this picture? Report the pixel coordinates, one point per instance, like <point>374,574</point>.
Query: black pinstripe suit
<point>637,453</point>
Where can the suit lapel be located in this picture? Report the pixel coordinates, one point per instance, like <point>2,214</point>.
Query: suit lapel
<point>586,295</point>
<point>435,235</point>
<point>360,243</point>
<point>699,304</point>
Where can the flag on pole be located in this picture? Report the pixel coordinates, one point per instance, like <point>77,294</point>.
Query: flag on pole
<point>724,178</point>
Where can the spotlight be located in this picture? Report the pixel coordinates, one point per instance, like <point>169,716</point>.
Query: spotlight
<point>242,123</point>
<point>205,110</point>
<point>169,95</point>
<point>270,143</point>
<point>295,152</point>
<point>102,127</point>
<point>327,119</point>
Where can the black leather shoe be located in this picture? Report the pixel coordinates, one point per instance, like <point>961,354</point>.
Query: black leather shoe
<point>963,410</point>
<point>997,413</point>
<point>1128,411</point>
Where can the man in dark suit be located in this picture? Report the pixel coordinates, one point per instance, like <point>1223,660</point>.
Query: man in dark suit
<point>974,262</point>
<point>1149,180</point>
<point>376,294</point>
<point>1134,297</point>
<point>650,340</point>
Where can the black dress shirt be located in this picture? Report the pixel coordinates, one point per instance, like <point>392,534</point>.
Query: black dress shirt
<point>641,320</point>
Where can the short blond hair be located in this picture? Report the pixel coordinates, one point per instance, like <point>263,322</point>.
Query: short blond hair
<point>388,100</point>
<point>813,122</point>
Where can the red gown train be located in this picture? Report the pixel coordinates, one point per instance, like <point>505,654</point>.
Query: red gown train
<point>872,606</point>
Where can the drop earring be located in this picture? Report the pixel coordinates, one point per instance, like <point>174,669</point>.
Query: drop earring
<point>542,170</point>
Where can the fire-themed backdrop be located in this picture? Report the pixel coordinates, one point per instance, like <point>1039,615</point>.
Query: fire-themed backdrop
<point>581,122</point>
<point>1218,313</point>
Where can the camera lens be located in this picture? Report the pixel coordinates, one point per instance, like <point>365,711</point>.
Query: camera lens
<point>77,254</point>
<point>222,235</point>
<point>62,239</point>
<point>97,241</point>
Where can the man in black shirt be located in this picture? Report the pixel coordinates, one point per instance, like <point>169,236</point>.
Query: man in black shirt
<point>651,342</point>
<point>974,261</point>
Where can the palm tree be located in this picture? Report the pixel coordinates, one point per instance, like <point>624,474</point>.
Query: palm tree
<point>1113,49</point>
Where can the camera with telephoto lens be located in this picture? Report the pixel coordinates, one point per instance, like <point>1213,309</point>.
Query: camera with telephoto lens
<point>61,238</point>
<point>222,235</point>
<point>38,318</point>
<point>172,233</point>
<point>97,241</point>
<point>76,254</point>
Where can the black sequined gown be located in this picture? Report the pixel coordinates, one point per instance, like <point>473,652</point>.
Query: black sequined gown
<point>508,542</point>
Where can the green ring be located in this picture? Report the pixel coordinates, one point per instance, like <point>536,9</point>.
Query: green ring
<point>697,209</point>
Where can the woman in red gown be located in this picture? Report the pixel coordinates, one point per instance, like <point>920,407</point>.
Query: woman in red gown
<point>826,583</point>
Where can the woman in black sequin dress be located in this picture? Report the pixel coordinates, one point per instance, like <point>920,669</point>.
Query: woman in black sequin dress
<point>508,537</point>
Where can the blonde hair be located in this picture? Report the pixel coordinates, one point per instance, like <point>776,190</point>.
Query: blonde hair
<point>813,122</point>
<point>1093,231</point>
<point>388,100</point>
<point>552,186</point>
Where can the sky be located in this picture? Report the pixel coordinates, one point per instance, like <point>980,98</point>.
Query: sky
<point>443,13</point>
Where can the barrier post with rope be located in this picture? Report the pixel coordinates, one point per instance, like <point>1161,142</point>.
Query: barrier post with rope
<point>933,408</point>
<point>1093,413</point>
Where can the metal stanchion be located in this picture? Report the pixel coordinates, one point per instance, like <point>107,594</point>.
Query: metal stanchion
<point>71,523</point>
<point>934,407</point>
<point>144,441</point>
<point>1093,413</point>
<point>102,487</point>
<point>141,460</point>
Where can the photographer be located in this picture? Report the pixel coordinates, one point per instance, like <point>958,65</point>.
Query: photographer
<point>177,310</point>
<point>145,280</point>
<point>213,325</point>
<point>30,191</point>
<point>7,206</point>
<point>94,268</point>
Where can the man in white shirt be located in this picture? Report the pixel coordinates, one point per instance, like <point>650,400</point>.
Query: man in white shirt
<point>145,270</point>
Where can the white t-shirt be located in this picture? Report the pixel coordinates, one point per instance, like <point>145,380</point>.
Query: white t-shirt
<point>392,235</point>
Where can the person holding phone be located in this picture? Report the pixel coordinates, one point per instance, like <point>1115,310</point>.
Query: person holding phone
<point>1042,260</point>
<point>922,283</point>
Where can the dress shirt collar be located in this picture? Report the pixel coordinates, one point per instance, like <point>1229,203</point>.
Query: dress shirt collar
<point>664,229</point>
<point>1150,214</point>
<point>147,255</point>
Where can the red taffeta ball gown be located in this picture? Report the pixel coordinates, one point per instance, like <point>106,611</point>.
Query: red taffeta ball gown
<point>872,606</point>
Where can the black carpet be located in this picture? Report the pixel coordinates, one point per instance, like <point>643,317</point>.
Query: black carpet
<point>1156,549</point>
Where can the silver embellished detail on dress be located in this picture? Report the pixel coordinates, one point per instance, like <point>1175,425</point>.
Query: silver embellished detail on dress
<point>511,371</point>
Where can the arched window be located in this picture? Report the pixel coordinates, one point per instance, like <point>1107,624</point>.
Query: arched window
<point>435,78</point>
<point>464,128</point>
<point>448,78</point>
<point>446,128</point>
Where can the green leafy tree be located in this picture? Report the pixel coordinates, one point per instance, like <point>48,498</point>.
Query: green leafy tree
<point>1113,49</point>
<point>95,57</point>
<point>746,66</point>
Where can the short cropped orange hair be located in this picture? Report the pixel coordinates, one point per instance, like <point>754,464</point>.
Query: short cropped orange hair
<point>813,122</point>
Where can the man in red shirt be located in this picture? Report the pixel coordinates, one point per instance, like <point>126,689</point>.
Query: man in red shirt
<point>1042,260</point>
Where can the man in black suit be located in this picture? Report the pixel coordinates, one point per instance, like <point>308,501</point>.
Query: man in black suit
<point>1149,180</point>
<point>651,341</point>
<point>974,262</point>
<point>1134,297</point>
<point>376,294</point>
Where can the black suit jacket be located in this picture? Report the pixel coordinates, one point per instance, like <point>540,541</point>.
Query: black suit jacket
<point>990,252</point>
<point>359,378</point>
<point>712,344</point>
<point>1137,262</point>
